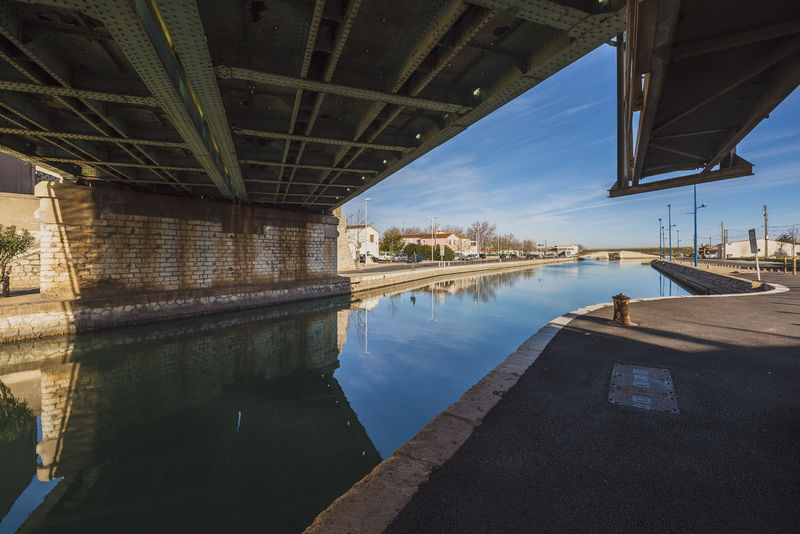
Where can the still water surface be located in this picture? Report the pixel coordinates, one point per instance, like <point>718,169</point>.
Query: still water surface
<point>257,420</point>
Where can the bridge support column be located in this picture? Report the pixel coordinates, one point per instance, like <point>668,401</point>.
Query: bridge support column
<point>98,242</point>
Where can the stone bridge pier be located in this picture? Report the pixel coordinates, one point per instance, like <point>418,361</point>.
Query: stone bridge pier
<point>110,257</point>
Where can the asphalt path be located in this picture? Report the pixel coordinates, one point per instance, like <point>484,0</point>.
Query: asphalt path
<point>555,456</point>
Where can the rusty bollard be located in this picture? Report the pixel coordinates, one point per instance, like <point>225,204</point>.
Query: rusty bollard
<point>622,310</point>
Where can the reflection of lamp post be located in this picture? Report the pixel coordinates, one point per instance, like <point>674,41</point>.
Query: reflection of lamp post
<point>696,207</point>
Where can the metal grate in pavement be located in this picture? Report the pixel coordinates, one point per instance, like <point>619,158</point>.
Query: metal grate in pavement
<point>648,388</point>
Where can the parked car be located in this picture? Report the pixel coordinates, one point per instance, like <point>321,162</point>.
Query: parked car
<point>414,258</point>
<point>400,257</point>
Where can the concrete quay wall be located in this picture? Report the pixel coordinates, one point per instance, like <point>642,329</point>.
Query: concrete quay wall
<point>706,281</point>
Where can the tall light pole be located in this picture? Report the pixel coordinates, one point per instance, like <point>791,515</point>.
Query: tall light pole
<point>696,207</point>
<point>679,241</point>
<point>660,255</point>
<point>669,223</point>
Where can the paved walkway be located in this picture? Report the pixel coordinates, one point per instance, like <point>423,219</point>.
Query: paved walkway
<point>554,455</point>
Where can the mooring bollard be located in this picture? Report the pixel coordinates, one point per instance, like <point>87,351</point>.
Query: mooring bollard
<point>622,310</point>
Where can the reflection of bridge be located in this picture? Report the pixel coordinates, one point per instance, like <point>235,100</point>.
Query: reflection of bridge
<point>222,423</point>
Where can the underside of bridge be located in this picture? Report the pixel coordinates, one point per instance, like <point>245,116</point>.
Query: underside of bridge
<point>284,103</point>
<point>696,77</point>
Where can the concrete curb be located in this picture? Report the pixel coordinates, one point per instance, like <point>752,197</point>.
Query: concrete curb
<point>374,502</point>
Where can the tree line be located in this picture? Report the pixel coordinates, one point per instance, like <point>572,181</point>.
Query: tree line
<point>483,232</point>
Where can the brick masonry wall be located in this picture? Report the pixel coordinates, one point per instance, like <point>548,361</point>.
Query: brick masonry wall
<point>97,242</point>
<point>25,270</point>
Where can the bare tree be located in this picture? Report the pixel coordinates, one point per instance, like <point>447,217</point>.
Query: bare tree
<point>482,232</point>
<point>453,228</point>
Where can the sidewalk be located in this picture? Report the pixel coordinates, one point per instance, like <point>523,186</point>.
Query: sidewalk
<point>554,455</point>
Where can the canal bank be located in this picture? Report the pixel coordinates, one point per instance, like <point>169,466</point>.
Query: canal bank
<point>553,453</point>
<point>34,315</point>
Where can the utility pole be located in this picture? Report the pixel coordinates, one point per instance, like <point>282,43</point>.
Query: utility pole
<point>660,235</point>
<point>766,233</point>
<point>720,254</point>
<point>679,242</point>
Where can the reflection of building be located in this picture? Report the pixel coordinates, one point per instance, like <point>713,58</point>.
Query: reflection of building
<point>229,422</point>
<point>458,243</point>
<point>363,239</point>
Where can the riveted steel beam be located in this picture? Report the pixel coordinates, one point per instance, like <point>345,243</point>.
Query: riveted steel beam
<point>320,140</point>
<point>181,24</point>
<point>21,87</point>
<point>471,28</point>
<point>262,181</point>
<point>591,32</point>
<point>49,65</point>
<point>122,164</point>
<point>138,28</point>
<point>342,33</point>
<point>545,12</point>
<point>87,137</point>
<point>278,80</point>
<point>419,42</point>
<point>311,39</point>
<point>305,166</point>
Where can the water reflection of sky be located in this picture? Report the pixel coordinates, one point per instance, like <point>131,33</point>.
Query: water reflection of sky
<point>426,347</point>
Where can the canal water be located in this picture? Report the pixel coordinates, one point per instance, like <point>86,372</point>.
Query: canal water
<point>257,420</point>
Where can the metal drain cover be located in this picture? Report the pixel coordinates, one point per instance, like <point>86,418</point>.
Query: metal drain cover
<point>648,388</point>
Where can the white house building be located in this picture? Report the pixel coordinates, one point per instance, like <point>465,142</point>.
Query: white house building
<point>458,243</point>
<point>741,249</point>
<point>363,239</point>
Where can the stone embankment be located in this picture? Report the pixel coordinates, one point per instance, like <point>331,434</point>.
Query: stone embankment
<point>35,316</point>
<point>366,282</point>
<point>706,281</point>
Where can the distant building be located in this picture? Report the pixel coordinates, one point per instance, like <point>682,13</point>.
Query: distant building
<point>567,250</point>
<point>458,243</point>
<point>363,239</point>
<point>741,249</point>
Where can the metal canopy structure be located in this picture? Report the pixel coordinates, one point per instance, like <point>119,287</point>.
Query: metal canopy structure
<point>700,74</point>
<point>300,104</point>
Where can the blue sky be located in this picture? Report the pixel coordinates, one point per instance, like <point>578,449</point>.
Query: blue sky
<point>540,167</point>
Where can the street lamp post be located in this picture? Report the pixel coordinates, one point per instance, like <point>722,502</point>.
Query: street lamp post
<point>669,223</point>
<point>660,234</point>
<point>679,242</point>
<point>696,207</point>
